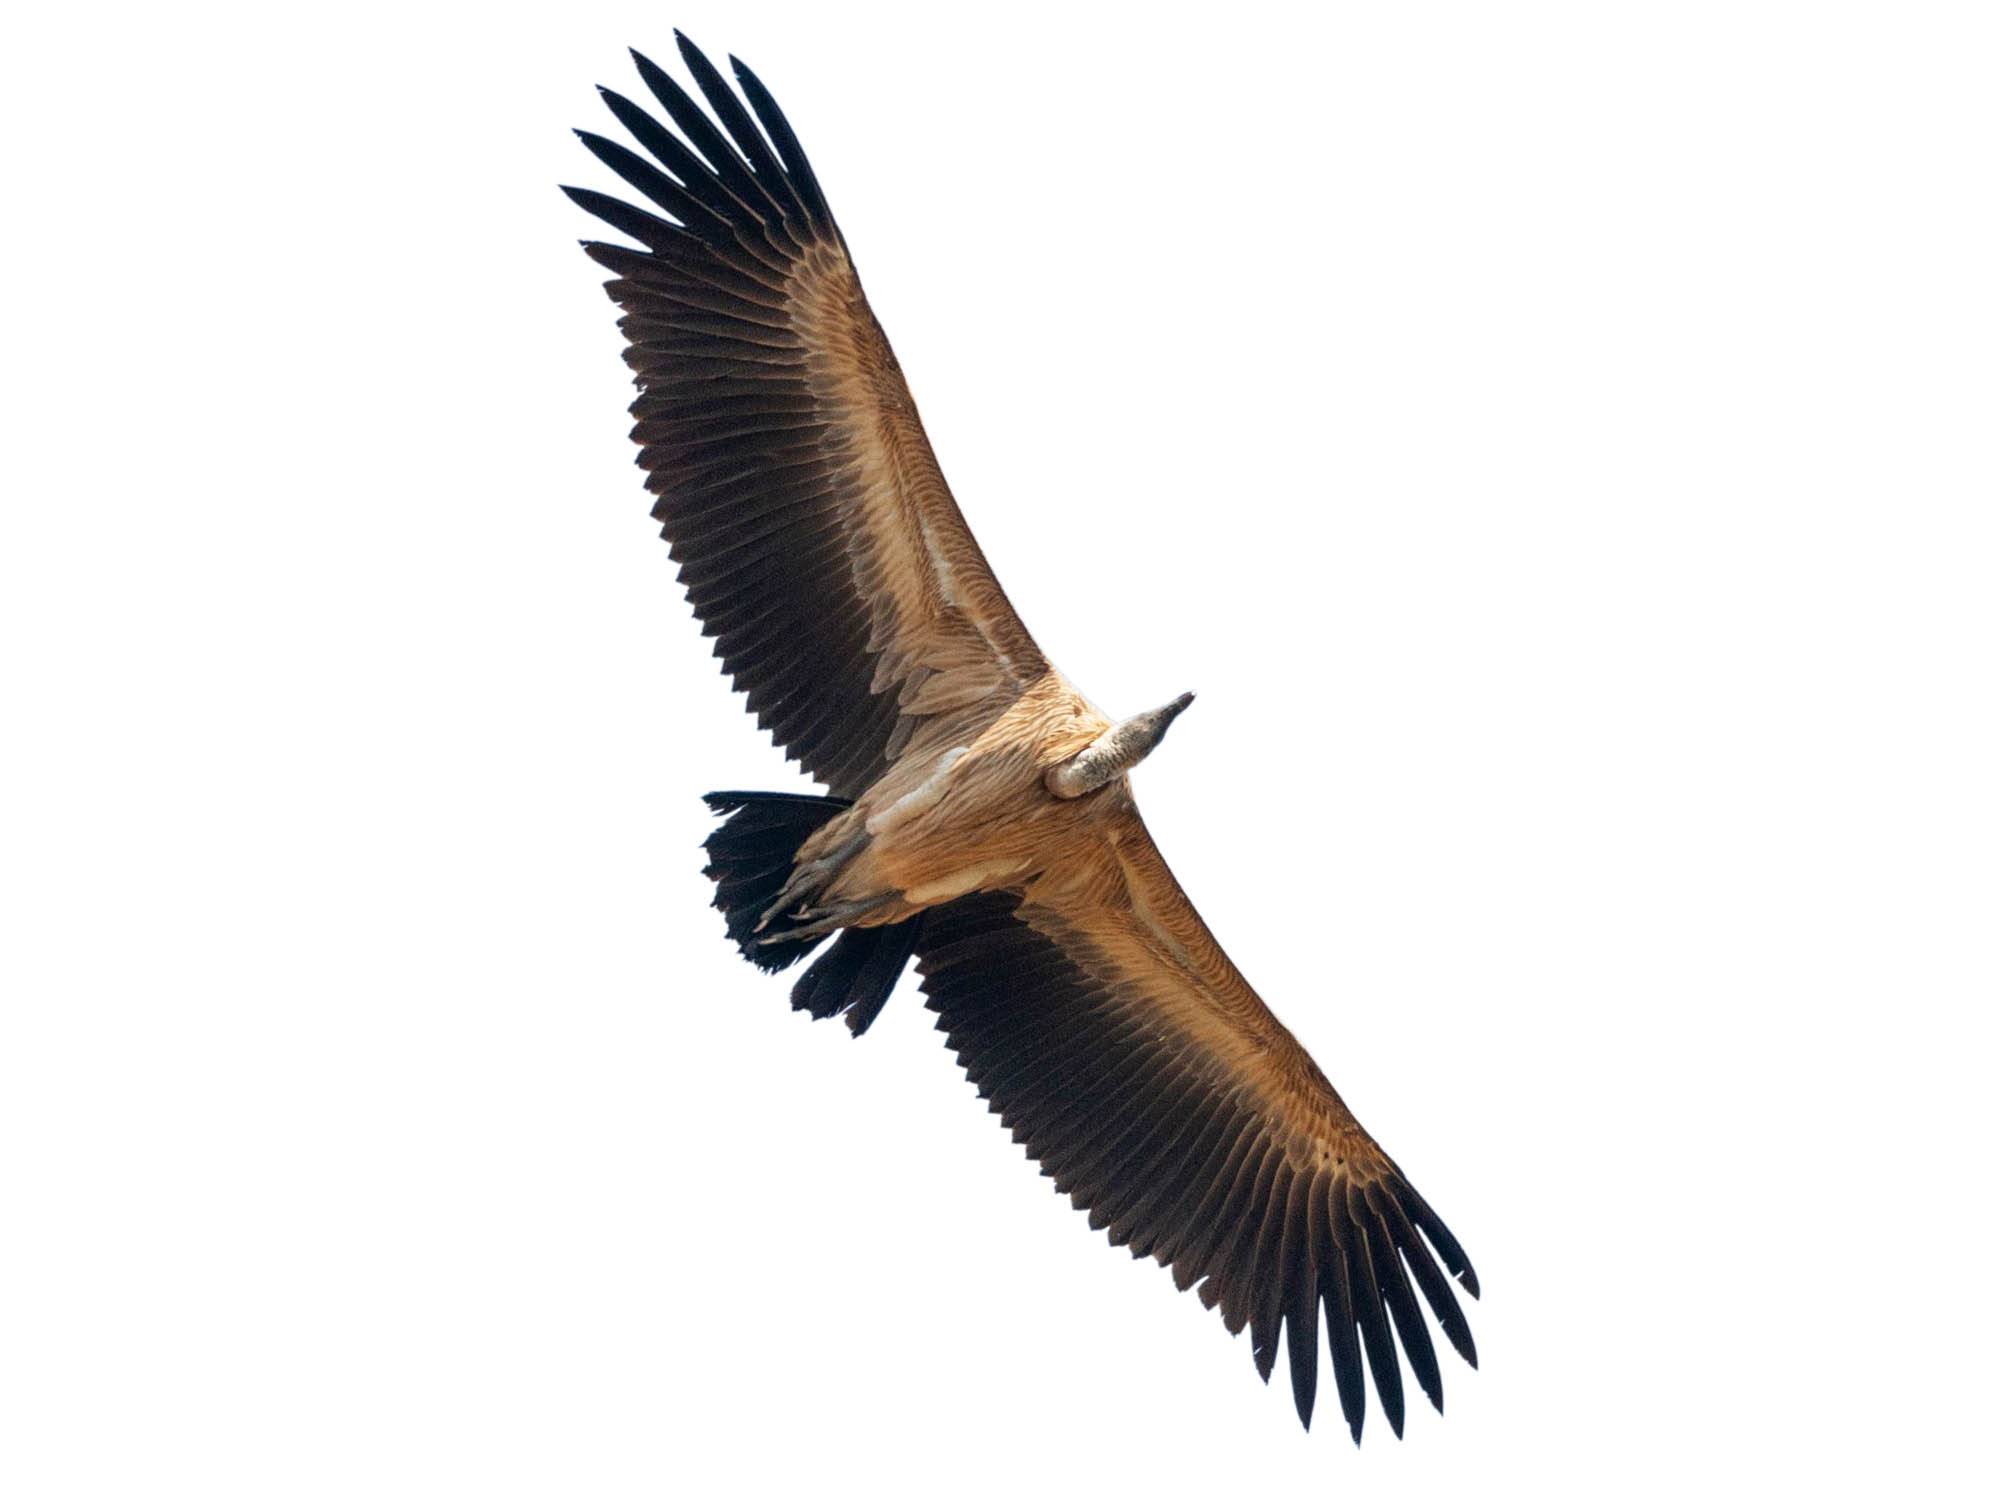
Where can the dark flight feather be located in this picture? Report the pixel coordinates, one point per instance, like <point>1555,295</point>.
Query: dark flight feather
<point>1125,1120</point>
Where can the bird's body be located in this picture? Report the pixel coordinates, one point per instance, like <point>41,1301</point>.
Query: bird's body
<point>981,817</point>
<point>945,821</point>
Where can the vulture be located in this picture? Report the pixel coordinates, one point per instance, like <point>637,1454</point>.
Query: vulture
<point>980,818</point>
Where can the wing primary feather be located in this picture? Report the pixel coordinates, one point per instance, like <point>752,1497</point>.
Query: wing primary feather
<point>695,174</point>
<point>1372,1315</point>
<point>650,180</point>
<point>702,135</point>
<point>649,229</point>
<point>1336,1290</point>
<point>1410,1328</point>
<point>1441,1238</point>
<point>1301,1307</point>
<point>1434,1284</point>
<point>795,163</point>
<point>736,120</point>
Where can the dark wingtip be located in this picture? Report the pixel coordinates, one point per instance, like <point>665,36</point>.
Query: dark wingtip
<point>606,151</point>
<point>1265,1359</point>
<point>745,75</point>
<point>648,69</point>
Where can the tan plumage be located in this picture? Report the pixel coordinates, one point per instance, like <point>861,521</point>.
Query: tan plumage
<point>982,818</point>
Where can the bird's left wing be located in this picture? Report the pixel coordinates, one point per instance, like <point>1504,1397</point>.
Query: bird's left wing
<point>814,531</point>
<point>1107,1028</point>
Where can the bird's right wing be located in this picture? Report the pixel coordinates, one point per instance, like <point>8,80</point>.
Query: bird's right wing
<point>1109,1030</point>
<point>814,531</point>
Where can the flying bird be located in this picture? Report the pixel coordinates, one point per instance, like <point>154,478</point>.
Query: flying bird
<point>981,818</point>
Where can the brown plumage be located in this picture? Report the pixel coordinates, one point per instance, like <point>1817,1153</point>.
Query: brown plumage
<point>982,816</point>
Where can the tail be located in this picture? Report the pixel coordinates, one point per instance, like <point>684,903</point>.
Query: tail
<point>750,857</point>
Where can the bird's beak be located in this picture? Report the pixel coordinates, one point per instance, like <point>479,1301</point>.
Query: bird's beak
<point>1172,711</point>
<point>1115,751</point>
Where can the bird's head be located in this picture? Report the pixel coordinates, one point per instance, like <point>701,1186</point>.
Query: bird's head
<point>1114,751</point>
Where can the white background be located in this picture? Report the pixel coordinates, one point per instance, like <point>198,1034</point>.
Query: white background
<point>1557,441</point>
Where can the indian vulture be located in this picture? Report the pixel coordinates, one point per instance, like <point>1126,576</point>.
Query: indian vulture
<point>981,817</point>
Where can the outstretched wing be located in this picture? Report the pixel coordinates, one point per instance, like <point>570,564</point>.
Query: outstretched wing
<point>815,534</point>
<point>1109,1030</point>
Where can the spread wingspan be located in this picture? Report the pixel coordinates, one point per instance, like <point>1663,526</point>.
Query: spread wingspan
<point>1091,1006</point>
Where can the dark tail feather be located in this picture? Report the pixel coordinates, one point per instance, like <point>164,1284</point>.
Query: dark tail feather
<point>750,857</point>
<point>857,974</point>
